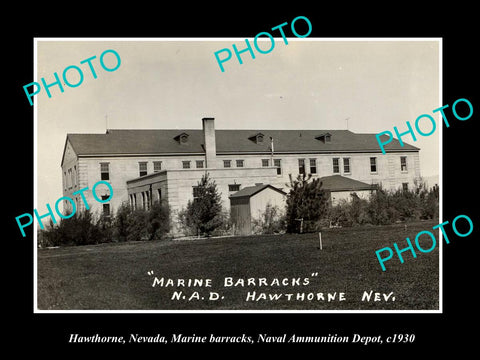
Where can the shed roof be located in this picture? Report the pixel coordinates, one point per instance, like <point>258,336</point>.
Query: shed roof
<point>342,183</point>
<point>249,191</point>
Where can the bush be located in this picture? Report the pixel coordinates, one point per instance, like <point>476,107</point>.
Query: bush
<point>85,229</point>
<point>136,229</point>
<point>271,221</point>
<point>430,202</point>
<point>80,229</point>
<point>121,222</point>
<point>225,227</point>
<point>158,221</point>
<point>387,207</point>
<point>139,224</point>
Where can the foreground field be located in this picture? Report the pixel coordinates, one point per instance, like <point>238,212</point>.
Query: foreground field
<point>121,276</point>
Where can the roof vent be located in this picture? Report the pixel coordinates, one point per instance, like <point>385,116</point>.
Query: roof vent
<point>327,137</point>
<point>181,138</point>
<point>257,138</point>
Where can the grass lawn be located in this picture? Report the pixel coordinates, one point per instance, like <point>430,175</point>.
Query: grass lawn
<point>116,276</point>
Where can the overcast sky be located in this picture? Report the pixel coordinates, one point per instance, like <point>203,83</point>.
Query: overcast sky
<point>168,84</point>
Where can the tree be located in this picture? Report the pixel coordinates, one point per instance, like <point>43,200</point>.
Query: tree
<point>307,202</point>
<point>204,214</point>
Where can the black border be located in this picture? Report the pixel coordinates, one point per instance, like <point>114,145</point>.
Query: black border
<point>48,333</point>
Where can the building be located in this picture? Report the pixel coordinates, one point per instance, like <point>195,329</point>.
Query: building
<point>250,203</point>
<point>340,188</point>
<point>144,166</point>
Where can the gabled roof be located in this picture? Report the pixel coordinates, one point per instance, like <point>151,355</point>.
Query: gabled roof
<point>249,191</point>
<point>342,183</point>
<point>140,142</point>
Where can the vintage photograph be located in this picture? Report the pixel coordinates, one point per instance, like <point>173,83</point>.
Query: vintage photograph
<point>165,182</point>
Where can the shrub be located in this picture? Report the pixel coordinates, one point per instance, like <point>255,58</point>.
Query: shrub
<point>80,229</point>
<point>139,224</point>
<point>387,207</point>
<point>136,229</point>
<point>121,222</point>
<point>226,225</point>
<point>271,221</point>
<point>85,229</point>
<point>158,221</point>
<point>430,203</point>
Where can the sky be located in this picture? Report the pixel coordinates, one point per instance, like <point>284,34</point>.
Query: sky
<point>369,85</point>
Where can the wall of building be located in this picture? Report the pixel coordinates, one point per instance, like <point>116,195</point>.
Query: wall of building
<point>181,182</point>
<point>241,216</point>
<point>177,185</point>
<point>122,169</point>
<point>259,202</point>
<point>71,172</point>
<point>388,171</point>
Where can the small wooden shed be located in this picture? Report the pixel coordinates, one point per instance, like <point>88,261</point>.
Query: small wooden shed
<point>250,202</point>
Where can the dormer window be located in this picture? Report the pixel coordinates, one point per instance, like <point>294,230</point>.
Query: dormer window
<point>257,138</point>
<point>182,138</point>
<point>327,137</point>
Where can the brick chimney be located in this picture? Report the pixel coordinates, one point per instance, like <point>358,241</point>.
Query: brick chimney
<point>208,125</point>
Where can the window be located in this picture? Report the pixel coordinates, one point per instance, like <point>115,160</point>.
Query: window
<point>227,163</point>
<point>373,164</point>
<point>403,163</point>
<point>336,165</point>
<point>69,178</point>
<point>106,207</point>
<point>301,166</point>
<point>199,164</point>
<point>240,163</point>
<point>157,166</point>
<point>313,166</point>
<point>405,186</point>
<point>324,137</point>
<point>65,179</point>
<point>196,192</point>
<point>265,162</point>
<point>104,171</point>
<point>186,164</point>
<point>159,193</point>
<point>278,164</point>
<point>233,187</point>
<point>75,175</point>
<point>142,168</point>
<point>346,165</point>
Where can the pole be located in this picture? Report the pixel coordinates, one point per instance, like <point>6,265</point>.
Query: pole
<point>320,239</point>
<point>271,151</point>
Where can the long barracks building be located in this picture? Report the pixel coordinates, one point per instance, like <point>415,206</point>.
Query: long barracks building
<point>144,166</point>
